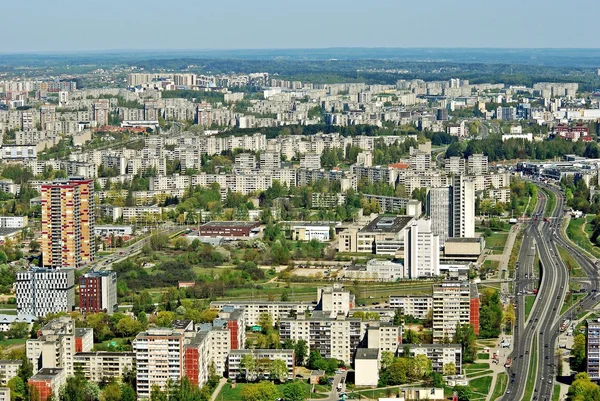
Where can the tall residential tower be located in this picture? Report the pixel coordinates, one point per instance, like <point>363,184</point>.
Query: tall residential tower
<point>68,223</point>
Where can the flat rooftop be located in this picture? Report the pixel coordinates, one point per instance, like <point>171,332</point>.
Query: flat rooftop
<point>367,353</point>
<point>464,240</point>
<point>250,224</point>
<point>388,224</point>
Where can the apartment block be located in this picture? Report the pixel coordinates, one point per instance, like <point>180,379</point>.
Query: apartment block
<point>253,309</point>
<point>43,291</point>
<point>68,223</point>
<point>415,306</point>
<point>159,358</point>
<point>592,361</point>
<point>382,236</point>
<point>13,221</point>
<point>47,382</point>
<point>310,161</point>
<point>335,299</point>
<point>463,207</point>
<point>421,249</point>
<point>439,354</point>
<point>477,164</point>
<point>270,161</point>
<point>333,337</point>
<point>454,303</point>
<point>439,210</point>
<point>57,343</point>
<point>260,355</point>
<point>9,368</point>
<point>98,292</point>
<point>104,366</point>
<point>384,336</point>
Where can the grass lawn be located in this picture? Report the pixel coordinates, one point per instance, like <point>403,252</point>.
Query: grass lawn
<point>481,385</point>
<point>470,367</point>
<point>496,241</point>
<point>529,300</point>
<point>531,206</point>
<point>556,392</point>
<point>514,253</point>
<point>378,392</point>
<point>12,341</point>
<point>485,355</point>
<point>572,266</point>
<point>479,373</point>
<point>500,387</point>
<point>235,394</point>
<point>576,233</point>
<point>532,372</point>
<point>570,301</point>
<point>8,306</point>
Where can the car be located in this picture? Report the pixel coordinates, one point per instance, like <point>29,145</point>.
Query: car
<point>508,391</point>
<point>545,345</point>
<point>527,352</point>
<point>547,357</point>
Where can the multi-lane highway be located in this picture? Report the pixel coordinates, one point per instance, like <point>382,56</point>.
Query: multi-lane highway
<point>541,236</point>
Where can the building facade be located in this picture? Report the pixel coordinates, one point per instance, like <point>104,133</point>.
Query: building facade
<point>98,292</point>
<point>68,223</point>
<point>42,291</point>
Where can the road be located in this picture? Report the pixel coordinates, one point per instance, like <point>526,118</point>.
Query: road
<point>544,319</point>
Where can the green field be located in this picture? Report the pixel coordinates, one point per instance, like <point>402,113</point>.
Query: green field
<point>479,373</point>
<point>529,300</point>
<point>12,341</point>
<point>500,387</point>
<point>570,302</point>
<point>531,373</point>
<point>496,241</point>
<point>377,393</point>
<point>481,387</point>
<point>577,234</point>
<point>572,266</point>
<point>531,206</point>
<point>485,355</point>
<point>474,367</point>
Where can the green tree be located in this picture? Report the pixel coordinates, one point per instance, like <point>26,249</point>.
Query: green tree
<point>248,364</point>
<point>127,393</point>
<point>449,369</point>
<point>111,392</point>
<point>17,388</point>
<point>265,321</point>
<point>578,352</point>
<point>466,337</point>
<point>300,351</point>
<point>278,370</point>
<point>263,391</point>
<point>295,391</point>
<point>165,318</point>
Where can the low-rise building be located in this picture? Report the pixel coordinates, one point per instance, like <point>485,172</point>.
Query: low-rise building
<point>376,270</point>
<point>260,356</point>
<point>229,229</point>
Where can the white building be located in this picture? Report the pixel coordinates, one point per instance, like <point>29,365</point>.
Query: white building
<point>9,368</point>
<point>366,366</point>
<point>235,357</point>
<point>13,221</point>
<point>104,366</point>
<point>440,355</point>
<point>376,270</point>
<point>310,161</point>
<point>439,210</point>
<point>308,232</point>
<point>463,207</point>
<point>41,291</point>
<point>421,250</point>
<point>415,306</point>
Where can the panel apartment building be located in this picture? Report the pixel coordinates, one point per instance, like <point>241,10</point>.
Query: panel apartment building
<point>68,223</point>
<point>454,303</point>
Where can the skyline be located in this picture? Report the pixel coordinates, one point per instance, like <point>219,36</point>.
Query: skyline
<point>235,25</point>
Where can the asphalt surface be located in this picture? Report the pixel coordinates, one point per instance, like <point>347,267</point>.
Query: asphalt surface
<point>544,321</point>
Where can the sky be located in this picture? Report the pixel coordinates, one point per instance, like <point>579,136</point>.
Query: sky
<point>92,25</point>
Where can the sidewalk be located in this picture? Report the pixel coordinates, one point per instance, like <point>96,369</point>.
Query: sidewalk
<point>215,393</point>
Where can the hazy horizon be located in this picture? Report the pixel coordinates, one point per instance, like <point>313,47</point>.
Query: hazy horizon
<point>155,25</point>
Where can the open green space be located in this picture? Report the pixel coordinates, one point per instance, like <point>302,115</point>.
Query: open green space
<point>481,386</point>
<point>470,367</point>
<point>500,387</point>
<point>376,393</point>
<point>570,300</point>
<point>580,236</point>
<point>556,392</point>
<point>496,241</point>
<point>230,393</point>
<point>514,253</point>
<point>484,355</point>
<point>573,267</point>
<point>479,373</point>
<point>12,341</point>
<point>529,300</point>
<point>531,372</point>
<point>531,205</point>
